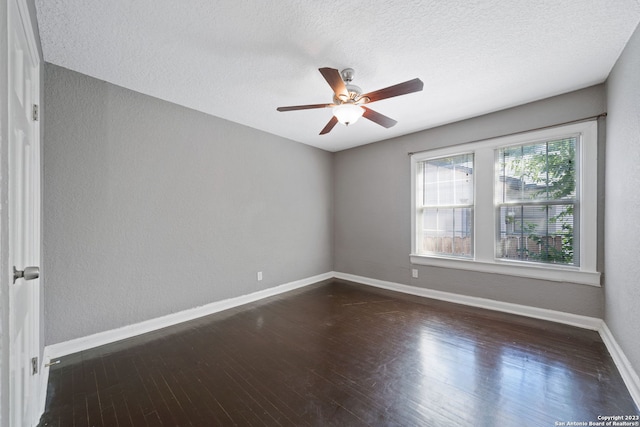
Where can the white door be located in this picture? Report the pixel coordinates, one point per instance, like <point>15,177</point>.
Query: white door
<point>24,217</point>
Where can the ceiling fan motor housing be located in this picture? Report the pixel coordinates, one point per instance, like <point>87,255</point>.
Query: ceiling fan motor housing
<point>354,95</point>
<point>354,91</point>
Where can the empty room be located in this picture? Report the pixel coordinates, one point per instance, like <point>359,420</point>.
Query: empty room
<point>380,213</point>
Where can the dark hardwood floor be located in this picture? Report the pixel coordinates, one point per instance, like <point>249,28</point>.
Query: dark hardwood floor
<point>342,354</point>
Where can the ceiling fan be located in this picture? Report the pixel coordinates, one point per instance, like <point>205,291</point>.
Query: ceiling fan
<point>349,101</point>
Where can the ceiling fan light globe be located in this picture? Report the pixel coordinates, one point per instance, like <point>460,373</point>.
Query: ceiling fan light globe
<point>347,113</point>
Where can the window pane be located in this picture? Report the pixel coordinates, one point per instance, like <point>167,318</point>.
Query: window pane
<point>540,171</point>
<point>430,176</point>
<point>448,231</point>
<point>431,194</point>
<point>537,233</point>
<point>562,169</point>
<point>448,181</point>
<point>510,183</point>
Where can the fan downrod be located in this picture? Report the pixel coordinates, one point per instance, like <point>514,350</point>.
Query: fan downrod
<point>354,92</point>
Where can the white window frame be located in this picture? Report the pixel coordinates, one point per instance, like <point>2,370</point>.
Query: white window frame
<point>484,259</point>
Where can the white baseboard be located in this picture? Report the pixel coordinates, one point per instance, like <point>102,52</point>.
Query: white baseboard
<point>629,375</point>
<point>585,322</point>
<point>65,348</point>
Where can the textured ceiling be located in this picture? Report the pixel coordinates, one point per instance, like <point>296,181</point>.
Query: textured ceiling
<point>240,59</point>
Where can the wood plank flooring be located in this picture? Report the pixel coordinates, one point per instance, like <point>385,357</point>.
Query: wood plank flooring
<point>343,354</point>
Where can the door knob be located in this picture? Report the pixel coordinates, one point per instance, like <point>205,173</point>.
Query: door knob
<point>29,273</point>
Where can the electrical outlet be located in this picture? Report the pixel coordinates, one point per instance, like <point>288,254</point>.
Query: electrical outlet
<point>259,275</point>
<point>414,273</point>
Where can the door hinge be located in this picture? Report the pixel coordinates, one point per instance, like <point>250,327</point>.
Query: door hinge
<point>34,365</point>
<point>35,112</point>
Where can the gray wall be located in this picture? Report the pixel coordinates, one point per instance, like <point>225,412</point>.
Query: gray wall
<point>372,230</point>
<point>151,208</point>
<point>622,282</point>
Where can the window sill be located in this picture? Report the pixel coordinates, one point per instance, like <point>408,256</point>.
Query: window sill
<point>513,268</point>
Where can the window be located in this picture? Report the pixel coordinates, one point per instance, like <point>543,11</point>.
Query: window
<point>536,199</point>
<point>446,206</point>
<point>523,205</point>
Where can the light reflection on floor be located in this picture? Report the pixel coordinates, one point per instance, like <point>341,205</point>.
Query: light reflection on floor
<point>462,367</point>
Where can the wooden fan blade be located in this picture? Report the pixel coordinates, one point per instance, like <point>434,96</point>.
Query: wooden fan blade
<point>304,107</point>
<point>378,118</point>
<point>329,125</point>
<point>332,76</point>
<point>410,86</point>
